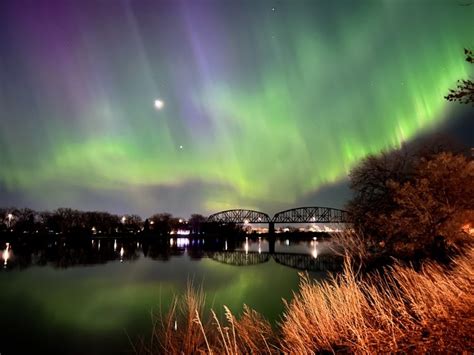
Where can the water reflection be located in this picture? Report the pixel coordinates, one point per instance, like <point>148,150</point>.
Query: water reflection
<point>303,255</point>
<point>122,251</point>
<point>314,248</point>
<point>6,255</point>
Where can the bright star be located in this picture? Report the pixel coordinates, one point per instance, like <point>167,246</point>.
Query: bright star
<point>159,104</point>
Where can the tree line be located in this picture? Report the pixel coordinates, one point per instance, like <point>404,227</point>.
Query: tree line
<point>72,221</point>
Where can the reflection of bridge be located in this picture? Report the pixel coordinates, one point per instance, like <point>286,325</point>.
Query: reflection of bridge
<point>324,262</point>
<point>294,215</point>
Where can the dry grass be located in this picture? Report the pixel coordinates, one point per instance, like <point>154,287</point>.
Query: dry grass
<point>401,310</point>
<point>185,330</point>
<point>351,243</point>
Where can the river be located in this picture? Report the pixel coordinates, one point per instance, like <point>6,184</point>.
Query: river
<point>92,297</point>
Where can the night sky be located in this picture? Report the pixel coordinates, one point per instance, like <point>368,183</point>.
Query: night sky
<point>261,104</point>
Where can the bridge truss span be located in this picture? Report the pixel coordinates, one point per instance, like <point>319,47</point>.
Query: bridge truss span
<point>312,215</point>
<point>239,216</point>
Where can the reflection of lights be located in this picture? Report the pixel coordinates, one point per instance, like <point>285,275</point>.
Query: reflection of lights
<point>138,245</point>
<point>115,244</point>
<point>183,232</point>
<point>246,246</point>
<point>225,245</point>
<point>171,241</point>
<point>314,252</point>
<point>98,245</point>
<point>175,325</point>
<point>259,245</point>
<point>122,251</point>
<point>287,242</point>
<point>6,255</point>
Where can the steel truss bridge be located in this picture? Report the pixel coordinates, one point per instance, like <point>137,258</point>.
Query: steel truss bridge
<point>294,215</point>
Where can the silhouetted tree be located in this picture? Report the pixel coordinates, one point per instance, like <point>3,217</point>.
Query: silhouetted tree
<point>372,195</point>
<point>161,223</point>
<point>26,220</point>
<point>133,223</point>
<point>464,92</point>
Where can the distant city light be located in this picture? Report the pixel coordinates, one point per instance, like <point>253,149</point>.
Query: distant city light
<point>182,242</point>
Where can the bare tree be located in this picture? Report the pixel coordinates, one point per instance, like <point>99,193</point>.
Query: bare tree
<point>464,92</point>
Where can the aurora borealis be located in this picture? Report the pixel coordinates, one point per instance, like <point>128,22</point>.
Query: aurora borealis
<point>264,102</point>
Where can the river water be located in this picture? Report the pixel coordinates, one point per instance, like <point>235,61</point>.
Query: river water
<point>91,297</point>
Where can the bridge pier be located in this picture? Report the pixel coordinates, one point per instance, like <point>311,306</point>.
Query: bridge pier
<point>271,228</point>
<point>271,244</point>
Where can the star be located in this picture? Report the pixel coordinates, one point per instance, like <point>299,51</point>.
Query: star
<point>159,104</point>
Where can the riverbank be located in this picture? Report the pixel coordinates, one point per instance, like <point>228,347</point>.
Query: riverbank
<point>399,310</point>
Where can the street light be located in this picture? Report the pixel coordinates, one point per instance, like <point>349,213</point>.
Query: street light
<point>124,219</point>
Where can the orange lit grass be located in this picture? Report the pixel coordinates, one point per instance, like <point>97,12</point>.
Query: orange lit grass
<point>401,310</point>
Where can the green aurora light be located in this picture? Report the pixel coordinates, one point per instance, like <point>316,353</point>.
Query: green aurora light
<point>267,106</point>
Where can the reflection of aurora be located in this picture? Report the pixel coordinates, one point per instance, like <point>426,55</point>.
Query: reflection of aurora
<point>288,103</point>
<point>101,300</point>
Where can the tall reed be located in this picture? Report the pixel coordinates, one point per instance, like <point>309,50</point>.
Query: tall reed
<point>397,310</point>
